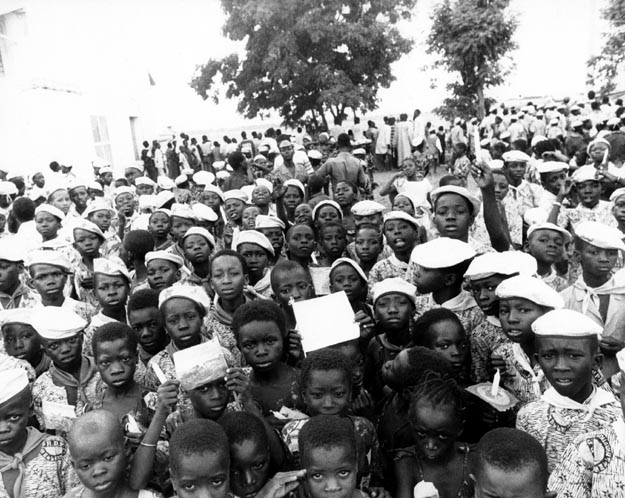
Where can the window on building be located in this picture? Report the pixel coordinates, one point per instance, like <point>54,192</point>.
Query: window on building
<point>101,138</point>
<point>2,46</point>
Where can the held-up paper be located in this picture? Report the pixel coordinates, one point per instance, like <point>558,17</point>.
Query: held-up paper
<point>199,365</point>
<point>320,276</point>
<point>325,321</point>
<point>57,416</point>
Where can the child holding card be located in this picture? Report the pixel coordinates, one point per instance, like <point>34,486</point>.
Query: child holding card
<point>290,282</point>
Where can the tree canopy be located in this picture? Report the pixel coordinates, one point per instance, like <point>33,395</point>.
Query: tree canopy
<point>307,55</point>
<point>605,67</point>
<point>473,39</point>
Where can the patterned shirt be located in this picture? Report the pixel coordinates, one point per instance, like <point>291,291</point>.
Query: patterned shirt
<point>22,297</point>
<point>527,383</point>
<point>484,339</point>
<point>555,281</point>
<point>387,268</point>
<point>463,305</point>
<point>602,213</point>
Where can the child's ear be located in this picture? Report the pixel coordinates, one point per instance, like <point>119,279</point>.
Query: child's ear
<point>598,360</point>
<point>449,279</point>
<point>526,246</point>
<point>178,275</point>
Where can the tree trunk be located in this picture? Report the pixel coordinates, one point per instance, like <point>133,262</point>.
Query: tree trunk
<point>323,118</point>
<point>480,102</point>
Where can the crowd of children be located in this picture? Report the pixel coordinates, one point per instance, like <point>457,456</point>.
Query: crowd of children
<point>151,346</point>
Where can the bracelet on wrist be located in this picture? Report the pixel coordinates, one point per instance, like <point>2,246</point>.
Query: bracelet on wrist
<point>556,203</point>
<point>147,445</point>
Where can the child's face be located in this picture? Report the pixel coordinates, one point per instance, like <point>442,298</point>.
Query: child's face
<point>48,280</point>
<point>330,472</point>
<point>144,189</point>
<point>162,273</point>
<point>21,341</point>
<point>111,291</point>
<point>295,285</point>
<point>292,197</point>
<point>589,192</point>
<point>596,261</point>
<point>327,392</point>
<point>183,322</point>
<point>400,235</point>
<point>333,242</point>
<point>449,339</point>
<point>496,482</point>
<point>256,258</point>
<point>261,195</point>
<point>346,278</point>
<point>47,225</point>
<point>618,209</point>
<point>516,171</point>
<point>393,311</point>
<point>392,372</point>
<point>60,199</point>
<point>65,353</point>
<point>99,462</point>
<point>227,277</point>
<point>568,363</point>
<point>196,249</point>
<point>248,218</point>
<point>234,209</point>
<point>159,225</point>
<point>9,275</point>
<point>275,236</point>
<point>301,241</point>
<point>344,194</point>
<point>148,327</point>
<point>409,168</point>
<point>39,180</point>
<point>125,204</point>
<point>434,430</point>
<point>116,362</point>
<point>211,399</point>
<point>102,218</point>
<point>14,415</point>
<point>401,203</point>
<point>211,199</point>
<point>357,359</point>
<point>303,214</point>
<point>180,226</point>
<point>326,214</point>
<point>500,182</point>
<point>261,344</point>
<point>87,243</point>
<point>368,245</point>
<point>597,151</point>
<point>202,475</point>
<point>249,468</point>
<point>452,216</point>
<point>547,246</point>
<point>517,315</point>
<point>552,182</point>
<point>107,178</point>
<point>483,290</point>
<point>79,196</point>
<point>373,219</point>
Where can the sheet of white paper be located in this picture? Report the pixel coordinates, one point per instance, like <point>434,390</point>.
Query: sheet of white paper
<point>325,321</point>
<point>321,279</point>
<point>199,365</point>
<point>58,416</point>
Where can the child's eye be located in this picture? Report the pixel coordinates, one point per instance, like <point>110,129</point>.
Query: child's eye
<point>189,487</point>
<point>316,477</point>
<point>248,346</point>
<point>339,394</point>
<point>258,466</point>
<point>344,473</point>
<point>218,482</point>
<point>270,342</point>
<point>105,363</point>
<point>14,418</point>
<point>84,466</point>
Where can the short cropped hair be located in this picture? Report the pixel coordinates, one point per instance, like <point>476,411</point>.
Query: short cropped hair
<point>421,330</point>
<point>139,243</point>
<point>325,360</point>
<point>244,426</point>
<point>113,331</point>
<point>142,299</point>
<point>332,224</point>
<point>287,266</point>
<point>197,437</point>
<point>258,311</point>
<point>327,432</point>
<point>511,450</point>
<point>228,252</point>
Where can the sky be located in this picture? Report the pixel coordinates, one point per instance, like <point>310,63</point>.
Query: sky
<point>555,38</point>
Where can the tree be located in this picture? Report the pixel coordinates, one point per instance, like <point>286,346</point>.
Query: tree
<point>307,56</point>
<point>605,67</point>
<point>473,39</point>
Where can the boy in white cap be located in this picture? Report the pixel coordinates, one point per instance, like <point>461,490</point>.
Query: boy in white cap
<point>13,293</point>
<point>20,340</point>
<point>526,194</point>
<point>33,464</point>
<point>69,384</point>
<point>553,175</point>
<point>181,220</point>
<point>88,240</point>
<point>546,242</point>
<point>257,252</point>
<point>164,269</point>
<point>272,228</point>
<point>102,214</point>
<point>567,350</point>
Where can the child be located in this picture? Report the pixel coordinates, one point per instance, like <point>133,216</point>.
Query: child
<point>13,293</point>
<point>261,196</point>
<point>240,175</point>
<point>159,225</point>
<point>198,244</point>
<point>567,350</point>
<point>436,420</point>
<point>332,243</point>
<point>59,198</point>
<point>368,246</point>
<point>402,202</point>
<point>401,232</point>
<point>21,341</point>
<point>260,331</point>
<point>100,456</point>
<point>137,243</point>
<point>164,269</point>
<point>101,213</point>
<point>346,275</point>
<point>257,252</point>
<point>291,282</point>
<point>325,212</point>
<point>234,206</point>
<point>522,300</point>
<point>72,376</point>
<point>526,194</point>
<point>293,194</point>
<point>509,462</point>
<point>272,228</point>
<point>79,196</point>
<point>553,176</point>
<point>410,181</point>
<point>248,217</point>
<point>547,242</point>
<point>345,195</point>
<point>88,239</point>
<point>368,212</point>
<point>125,203</point>
<point>329,455</point>
<point>393,302</point>
<point>182,219</point>
<point>112,286</point>
<point>462,164</point>
<point>300,244</point>
<point>147,323</point>
<point>303,214</point>
<point>34,464</point>
<point>48,223</point>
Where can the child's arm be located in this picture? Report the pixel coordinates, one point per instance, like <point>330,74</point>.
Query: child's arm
<point>143,460</point>
<point>403,477</point>
<point>564,191</point>
<point>492,219</point>
<point>388,187</point>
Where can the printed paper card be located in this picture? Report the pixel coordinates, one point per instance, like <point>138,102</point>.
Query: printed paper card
<point>199,365</point>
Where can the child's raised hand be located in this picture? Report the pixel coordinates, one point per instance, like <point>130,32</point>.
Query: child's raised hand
<point>167,396</point>
<point>237,380</point>
<point>295,345</point>
<point>366,323</point>
<point>281,484</point>
<point>482,174</point>
<point>565,188</point>
<point>610,345</point>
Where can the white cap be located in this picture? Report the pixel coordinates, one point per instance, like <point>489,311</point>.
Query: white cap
<point>105,266</point>
<point>577,123</point>
<point>501,263</point>
<point>401,215</point>
<point>14,380</point>
<point>16,315</point>
<point>145,180</point>
<point>314,154</point>
<point>50,209</point>
<point>10,250</point>
<point>194,293</point>
<point>350,262</point>
<point>219,165</point>
<point>204,213</point>
<point>100,163</point>
<point>600,235</point>
<point>202,232</point>
<point>123,190</point>
<point>98,205</point>
<point>180,179</point>
<point>163,197</point>
<point>515,156</point>
<point>222,175</point>
<point>461,191</point>
<point>585,173</point>
<point>531,288</point>
<point>164,255</point>
<point>359,152</point>
<point>614,122</point>
<point>550,166</point>
<point>216,190</point>
<point>537,139</point>
<point>248,190</point>
<point>496,164</point>
<point>235,194</point>
<point>395,285</point>
<point>327,203</point>
<point>598,141</point>
<point>87,226</point>
<point>47,257</point>
<point>504,135</point>
<point>56,323</point>
<point>138,165</point>
<point>105,169</point>
<point>262,182</point>
<point>367,208</point>
<point>442,253</point>
<point>266,221</point>
<point>616,194</point>
<point>553,121</point>
<point>182,211</point>
<point>566,323</point>
<point>165,183</point>
<point>203,178</point>
<point>549,226</point>
<point>147,202</point>
<point>292,182</point>
<point>93,185</point>
<point>254,237</point>
<point>535,215</point>
<point>8,188</point>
